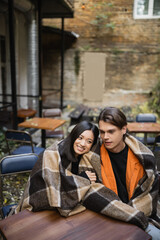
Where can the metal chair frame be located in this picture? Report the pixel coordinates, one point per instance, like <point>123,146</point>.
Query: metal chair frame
<point>53,113</point>
<point>14,165</point>
<point>156,146</point>
<point>20,136</point>
<point>146,117</point>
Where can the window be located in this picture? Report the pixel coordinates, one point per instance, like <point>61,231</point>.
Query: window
<point>144,9</point>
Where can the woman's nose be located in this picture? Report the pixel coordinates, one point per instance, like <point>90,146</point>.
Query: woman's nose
<point>83,142</point>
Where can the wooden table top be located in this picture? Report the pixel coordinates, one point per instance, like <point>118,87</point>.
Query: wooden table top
<point>42,123</point>
<point>49,225</point>
<point>147,127</point>
<point>24,113</point>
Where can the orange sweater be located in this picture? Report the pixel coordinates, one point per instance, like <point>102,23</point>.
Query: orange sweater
<point>134,172</point>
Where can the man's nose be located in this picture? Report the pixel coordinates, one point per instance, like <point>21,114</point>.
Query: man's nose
<point>106,135</point>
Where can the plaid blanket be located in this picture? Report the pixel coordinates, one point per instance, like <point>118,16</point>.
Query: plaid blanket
<point>52,185</point>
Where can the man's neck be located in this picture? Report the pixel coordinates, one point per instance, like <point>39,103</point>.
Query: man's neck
<point>118,148</point>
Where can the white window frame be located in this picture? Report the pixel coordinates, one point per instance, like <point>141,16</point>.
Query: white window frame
<point>150,11</point>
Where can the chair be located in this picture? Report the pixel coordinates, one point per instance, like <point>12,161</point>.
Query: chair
<point>53,113</point>
<point>146,117</point>
<point>156,146</point>
<point>14,165</point>
<point>23,137</point>
<point>6,119</point>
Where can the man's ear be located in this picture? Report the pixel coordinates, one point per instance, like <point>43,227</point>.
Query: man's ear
<point>124,129</point>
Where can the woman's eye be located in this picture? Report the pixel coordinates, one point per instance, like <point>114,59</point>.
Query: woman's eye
<point>90,142</point>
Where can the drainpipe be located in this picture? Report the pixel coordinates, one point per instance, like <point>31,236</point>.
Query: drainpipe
<point>33,61</point>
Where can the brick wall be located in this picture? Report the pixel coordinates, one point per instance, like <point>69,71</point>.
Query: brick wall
<point>132,53</point>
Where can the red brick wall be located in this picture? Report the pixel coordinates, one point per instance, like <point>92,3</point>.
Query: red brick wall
<point>132,50</point>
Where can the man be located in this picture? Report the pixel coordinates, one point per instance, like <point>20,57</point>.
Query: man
<point>128,168</point>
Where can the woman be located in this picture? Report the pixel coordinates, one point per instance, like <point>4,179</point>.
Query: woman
<point>83,136</point>
<point>55,178</point>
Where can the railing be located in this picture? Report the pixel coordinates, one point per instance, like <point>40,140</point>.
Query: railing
<point>5,105</point>
<point>9,107</point>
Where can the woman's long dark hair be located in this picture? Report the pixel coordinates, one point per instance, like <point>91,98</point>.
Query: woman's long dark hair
<point>66,146</point>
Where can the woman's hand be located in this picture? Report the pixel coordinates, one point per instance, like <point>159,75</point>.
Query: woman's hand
<point>92,176</point>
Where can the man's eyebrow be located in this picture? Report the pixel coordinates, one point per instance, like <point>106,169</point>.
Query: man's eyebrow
<point>101,130</point>
<point>110,130</point>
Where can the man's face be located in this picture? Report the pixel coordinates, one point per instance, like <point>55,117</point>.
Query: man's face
<point>112,136</point>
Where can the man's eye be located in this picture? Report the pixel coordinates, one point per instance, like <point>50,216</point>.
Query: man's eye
<point>101,132</point>
<point>111,132</point>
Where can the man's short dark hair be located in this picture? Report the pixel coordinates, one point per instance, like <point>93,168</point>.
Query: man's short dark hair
<point>113,116</point>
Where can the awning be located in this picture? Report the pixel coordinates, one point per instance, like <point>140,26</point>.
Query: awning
<point>51,38</point>
<point>50,8</point>
<point>57,8</point>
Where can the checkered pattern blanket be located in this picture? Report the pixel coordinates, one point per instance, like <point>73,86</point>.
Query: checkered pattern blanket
<point>52,185</point>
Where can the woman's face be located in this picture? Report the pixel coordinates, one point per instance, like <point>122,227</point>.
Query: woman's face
<point>83,143</point>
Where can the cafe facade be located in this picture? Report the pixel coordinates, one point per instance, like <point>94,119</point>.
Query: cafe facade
<point>21,51</point>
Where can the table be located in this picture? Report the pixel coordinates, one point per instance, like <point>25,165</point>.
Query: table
<point>49,225</point>
<point>25,113</point>
<point>146,127</point>
<point>44,124</point>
